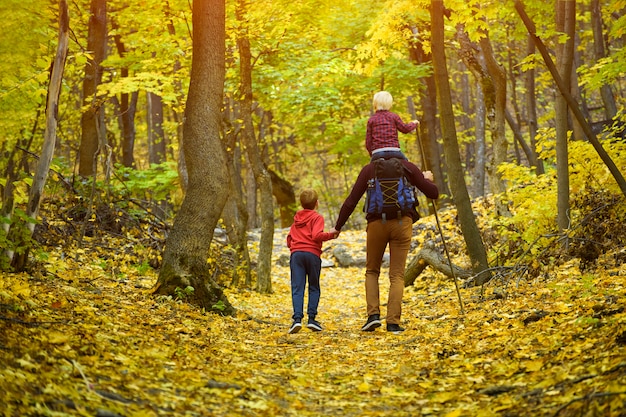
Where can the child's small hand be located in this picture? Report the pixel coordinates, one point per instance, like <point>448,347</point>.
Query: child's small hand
<point>335,232</point>
<point>417,122</point>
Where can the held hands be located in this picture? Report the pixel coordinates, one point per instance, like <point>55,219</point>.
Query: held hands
<point>428,175</point>
<point>417,122</point>
<point>335,232</point>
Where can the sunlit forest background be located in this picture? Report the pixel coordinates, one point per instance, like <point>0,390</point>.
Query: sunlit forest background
<point>314,69</point>
<point>522,121</point>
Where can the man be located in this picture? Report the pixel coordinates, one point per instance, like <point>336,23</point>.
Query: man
<point>392,227</point>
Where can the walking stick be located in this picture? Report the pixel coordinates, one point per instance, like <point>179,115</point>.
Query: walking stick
<point>443,239</point>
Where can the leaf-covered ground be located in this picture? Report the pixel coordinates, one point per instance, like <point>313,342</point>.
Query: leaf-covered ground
<point>87,338</point>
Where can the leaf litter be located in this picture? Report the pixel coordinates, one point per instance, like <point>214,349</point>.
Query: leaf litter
<point>90,340</point>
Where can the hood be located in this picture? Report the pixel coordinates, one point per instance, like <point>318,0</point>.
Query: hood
<point>303,217</point>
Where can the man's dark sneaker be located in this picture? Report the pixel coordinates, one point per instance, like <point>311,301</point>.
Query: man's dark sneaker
<point>395,328</point>
<point>372,323</point>
<point>314,325</point>
<point>295,327</point>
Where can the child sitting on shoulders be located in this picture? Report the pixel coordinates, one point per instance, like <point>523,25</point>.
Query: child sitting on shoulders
<point>381,139</point>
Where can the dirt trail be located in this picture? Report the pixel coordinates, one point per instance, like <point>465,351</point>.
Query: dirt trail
<point>84,342</point>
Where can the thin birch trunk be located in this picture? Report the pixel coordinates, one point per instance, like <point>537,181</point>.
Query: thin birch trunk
<point>52,105</point>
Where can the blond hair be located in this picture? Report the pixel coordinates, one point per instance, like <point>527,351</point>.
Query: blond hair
<point>382,101</point>
<point>308,199</point>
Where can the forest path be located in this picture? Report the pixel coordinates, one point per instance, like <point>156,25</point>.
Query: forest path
<point>92,340</point>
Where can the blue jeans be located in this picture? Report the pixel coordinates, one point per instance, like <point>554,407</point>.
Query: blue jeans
<point>303,265</point>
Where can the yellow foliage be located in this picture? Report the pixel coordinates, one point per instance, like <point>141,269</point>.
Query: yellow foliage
<point>73,346</point>
<point>456,413</point>
<point>57,338</point>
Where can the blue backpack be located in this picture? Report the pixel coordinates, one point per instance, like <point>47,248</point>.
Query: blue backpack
<point>390,193</point>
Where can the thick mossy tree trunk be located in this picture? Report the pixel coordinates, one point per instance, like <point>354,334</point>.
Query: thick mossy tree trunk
<point>187,247</point>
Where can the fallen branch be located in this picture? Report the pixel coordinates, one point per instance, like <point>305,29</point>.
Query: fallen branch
<point>31,323</point>
<point>261,321</point>
<point>429,256</point>
<point>588,398</point>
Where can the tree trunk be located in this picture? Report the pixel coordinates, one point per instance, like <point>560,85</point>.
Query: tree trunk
<point>157,149</point>
<point>156,134</point>
<point>492,79</point>
<point>531,104</point>
<point>236,230</point>
<point>16,233</point>
<point>610,108</point>
<point>518,136</point>
<point>498,124</point>
<point>485,102</point>
<point>176,114</point>
<point>285,198</point>
<point>565,23</point>
<point>261,175</point>
<point>235,213</point>
<point>480,150</point>
<point>251,197</point>
<point>92,119</point>
<point>465,123</point>
<point>127,108</point>
<point>282,190</point>
<point>187,247</point>
<point>428,122</point>
<point>236,216</point>
<point>514,102</point>
<point>576,93</point>
<point>471,234</point>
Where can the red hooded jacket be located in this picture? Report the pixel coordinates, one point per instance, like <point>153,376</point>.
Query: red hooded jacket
<point>307,232</point>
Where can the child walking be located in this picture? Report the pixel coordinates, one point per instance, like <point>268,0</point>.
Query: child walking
<point>304,240</point>
<point>381,139</point>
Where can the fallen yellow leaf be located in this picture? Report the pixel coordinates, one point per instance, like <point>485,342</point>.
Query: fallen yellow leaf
<point>57,338</point>
<point>363,387</point>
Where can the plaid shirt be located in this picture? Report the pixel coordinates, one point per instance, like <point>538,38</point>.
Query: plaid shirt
<point>382,130</point>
